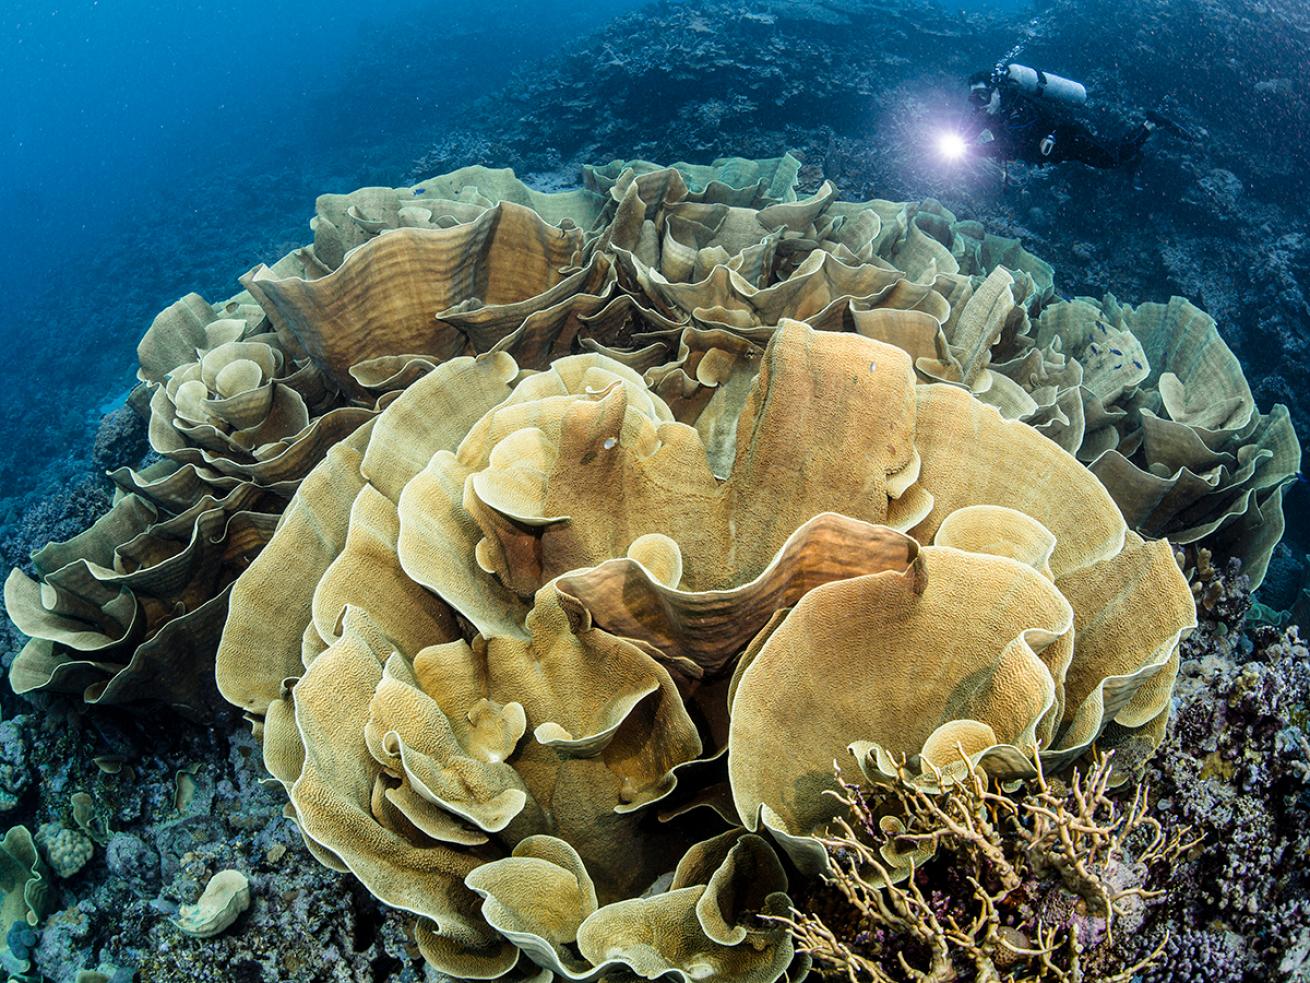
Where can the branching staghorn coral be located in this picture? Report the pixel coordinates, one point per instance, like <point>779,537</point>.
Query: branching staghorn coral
<point>965,879</point>
<point>682,274</point>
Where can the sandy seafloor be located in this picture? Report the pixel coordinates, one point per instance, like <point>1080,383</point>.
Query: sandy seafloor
<point>854,90</point>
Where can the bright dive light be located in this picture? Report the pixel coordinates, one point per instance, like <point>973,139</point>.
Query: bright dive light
<point>951,146</point>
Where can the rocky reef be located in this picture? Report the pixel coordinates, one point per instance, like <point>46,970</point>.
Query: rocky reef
<point>506,516</point>
<point>861,89</point>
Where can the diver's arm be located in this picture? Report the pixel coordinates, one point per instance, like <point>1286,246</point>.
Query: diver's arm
<point>984,116</point>
<point>988,125</point>
<point>985,144</point>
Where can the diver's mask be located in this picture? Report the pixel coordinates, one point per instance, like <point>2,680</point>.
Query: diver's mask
<point>1047,144</point>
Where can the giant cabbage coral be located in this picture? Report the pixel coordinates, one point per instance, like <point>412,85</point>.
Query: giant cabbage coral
<point>511,635</point>
<point>130,609</point>
<point>1179,442</point>
<point>682,275</point>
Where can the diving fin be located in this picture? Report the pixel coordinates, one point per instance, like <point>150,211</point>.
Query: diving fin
<point>1158,120</point>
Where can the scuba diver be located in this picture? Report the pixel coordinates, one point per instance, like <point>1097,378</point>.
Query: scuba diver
<point>1021,114</point>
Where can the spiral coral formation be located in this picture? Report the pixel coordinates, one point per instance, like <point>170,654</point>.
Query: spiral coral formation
<point>518,605</point>
<point>680,274</point>
<point>131,609</point>
<point>614,517</point>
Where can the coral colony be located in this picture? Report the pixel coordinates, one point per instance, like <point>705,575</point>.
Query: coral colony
<point>680,578</point>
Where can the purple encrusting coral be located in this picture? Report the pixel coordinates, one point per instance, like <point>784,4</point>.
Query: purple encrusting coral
<point>1236,767</point>
<point>1195,954</point>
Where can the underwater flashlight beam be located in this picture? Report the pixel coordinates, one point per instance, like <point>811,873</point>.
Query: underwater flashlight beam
<point>951,145</point>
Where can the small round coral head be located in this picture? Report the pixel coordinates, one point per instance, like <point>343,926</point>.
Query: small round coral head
<point>951,146</point>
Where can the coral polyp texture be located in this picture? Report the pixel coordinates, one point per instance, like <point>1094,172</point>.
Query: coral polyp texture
<point>682,274</point>
<point>607,520</point>
<point>533,631</point>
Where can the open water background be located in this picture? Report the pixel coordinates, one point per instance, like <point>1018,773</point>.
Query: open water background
<point>153,147</point>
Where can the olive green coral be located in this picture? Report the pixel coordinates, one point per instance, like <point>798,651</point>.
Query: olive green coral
<point>129,611</point>
<point>24,891</point>
<point>561,542</point>
<point>1183,449</point>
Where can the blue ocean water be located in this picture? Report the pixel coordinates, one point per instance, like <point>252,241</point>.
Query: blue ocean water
<point>151,149</point>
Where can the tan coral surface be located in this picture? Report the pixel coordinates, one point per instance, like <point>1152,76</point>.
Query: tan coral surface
<point>682,275</point>
<point>606,520</point>
<point>508,647</point>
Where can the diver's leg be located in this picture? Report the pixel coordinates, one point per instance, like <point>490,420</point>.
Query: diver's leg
<point>1130,147</point>
<point>1073,141</point>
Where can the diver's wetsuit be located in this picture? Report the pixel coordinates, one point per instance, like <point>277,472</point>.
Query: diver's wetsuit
<point>1020,125</point>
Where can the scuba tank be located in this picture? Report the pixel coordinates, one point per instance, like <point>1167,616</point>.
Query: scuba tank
<point>1043,85</point>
